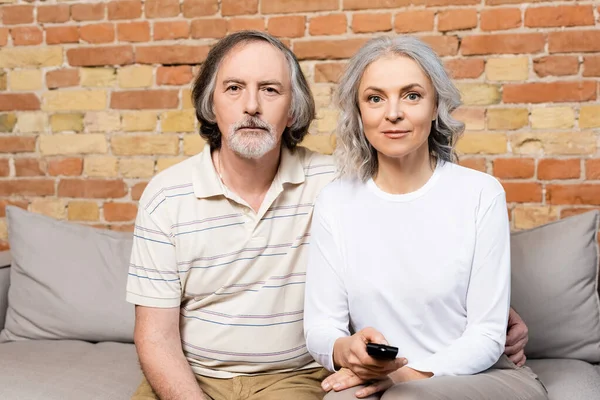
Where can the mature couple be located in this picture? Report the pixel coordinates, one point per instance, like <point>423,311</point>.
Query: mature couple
<point>242,292</point>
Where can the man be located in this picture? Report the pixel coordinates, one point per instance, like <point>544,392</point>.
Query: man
<point>219,257</point>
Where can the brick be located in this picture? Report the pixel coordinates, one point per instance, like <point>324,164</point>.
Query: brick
<point>98,77</point>
<point>120,211</point>
<point>193,144</point>
<point>18,203</point>
<point>287,26</point>
<point>482,143</point>
<point>103,166</point>
<point>592,169</point>
<point>178,121</point>
<point>238,7</point>
<point>26,35</point>
<point>3,81</point>
<point>574,41</point>
<point>503,44</point>
<point>528,217</point>
<point>414,21</point>
<point>586,193</point>
<point>19,102</point>
<point>327,120</point>
<point>83,211</point>
<point>500,19</point>
<point>30,57</point>
<point>136,167</point>
<point>200,8</point>
<point>553,143</point>
<point>514,168</point>
<point>3,36</point>
<point>478,164</point>
<point>443,45</point>
<point>208,28</point>
<point>54,13</point>
<point>62,34</point>
<point>553,118</point>
<point>332,24</point>
<point>297,6</point>
<point>66,122</point>
<point>324,144</point>
<point>87,12</point>
<point>544,92</point>
<point>97,33</point>
<point>171,30</point>
<point>180,75</point>
<point>242,24</point>
<point>173,54</point>
<point>7,122</point>
<point>523,192</point>
<point>591,66</point>
<point>92,188</point>
<point>376,4</point>
<point>29,167</point>
<point>556,65</point>
<point>473,118</point>
<point>569,212</point>
<point>443,3</point>
<point>371,22</point>
<point>465,68</point>
<point>4,171</point>
<point>329,72</point>
<point>144,99</point>
<point>161,8</point>
<point>164,163</point>
<point>66,144</point>
<point>452,20</point>
<point>27,187</point>
<point>14,15</point>
<point>541,17</point>
<point>549,169</point>
<point>134,31</point>
<point>61,78</point>
<point>102,121</point>
<point>186,99</point>
<point>124,9</point>
<point>589,117</point>
<point>32,122</point>
<point>477,94</point>
<point>99,56</point>
<point>72,166</point>
<point>507,69</point>
<point>25,79</point>
<point>75,100</point>
<point>507,118</point>
<point>322,95</point>
<point>139,121</point>
<point>137,190</point>
<point>54,208</point>
<point>327,49</point>
<point>145,145</point>
<point>135,76</point>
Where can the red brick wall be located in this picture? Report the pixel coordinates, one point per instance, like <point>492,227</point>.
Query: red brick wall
<point>94,97</point>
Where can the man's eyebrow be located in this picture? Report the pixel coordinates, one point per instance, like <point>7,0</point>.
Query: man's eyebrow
<point>274,82</point>
<point>403,89</point>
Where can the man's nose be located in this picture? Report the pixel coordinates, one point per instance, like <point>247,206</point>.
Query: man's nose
<point>252,105</point>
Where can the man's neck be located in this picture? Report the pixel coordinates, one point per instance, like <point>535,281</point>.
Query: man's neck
<point>248,178</point>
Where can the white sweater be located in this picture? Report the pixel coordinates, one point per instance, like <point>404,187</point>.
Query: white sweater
<point>429,269</point>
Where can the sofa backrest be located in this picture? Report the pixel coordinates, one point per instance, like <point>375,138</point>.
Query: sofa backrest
<point>4,284</point>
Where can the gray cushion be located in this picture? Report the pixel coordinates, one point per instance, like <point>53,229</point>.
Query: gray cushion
<point>567,379</point>
<point>4,283</point>
<point>68,370</point>
<point>67,281</point>
<point>554,287</point>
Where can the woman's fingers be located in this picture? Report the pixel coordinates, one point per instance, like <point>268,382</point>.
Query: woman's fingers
<point>375,387</point>
<point>342,379</point>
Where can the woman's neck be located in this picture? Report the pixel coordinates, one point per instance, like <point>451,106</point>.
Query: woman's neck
<point>404,174</point>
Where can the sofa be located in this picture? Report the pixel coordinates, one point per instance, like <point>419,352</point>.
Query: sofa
<point>67,332</point>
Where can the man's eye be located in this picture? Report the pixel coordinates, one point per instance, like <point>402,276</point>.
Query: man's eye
<point>375,99</point>
<point>233,88</point>
<point>271,90</point>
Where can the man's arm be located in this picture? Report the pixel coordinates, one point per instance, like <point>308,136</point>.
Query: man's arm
<point>158,343</point>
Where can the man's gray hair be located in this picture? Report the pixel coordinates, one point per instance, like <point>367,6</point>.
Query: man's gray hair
<point>355,156</point>
<point>302,108</point>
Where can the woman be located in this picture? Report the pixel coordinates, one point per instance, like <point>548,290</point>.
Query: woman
<point>408,248</point>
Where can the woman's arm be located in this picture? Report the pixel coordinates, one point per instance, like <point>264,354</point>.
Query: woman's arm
<point>487,302</point>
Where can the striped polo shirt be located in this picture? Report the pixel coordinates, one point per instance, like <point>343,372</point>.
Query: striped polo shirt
<point>237,275</point>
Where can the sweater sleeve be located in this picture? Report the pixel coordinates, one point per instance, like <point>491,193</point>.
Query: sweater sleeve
<point>326,305</point>
<point>487,302</point>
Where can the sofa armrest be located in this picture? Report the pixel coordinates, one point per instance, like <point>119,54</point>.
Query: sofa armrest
<point>5,259</point>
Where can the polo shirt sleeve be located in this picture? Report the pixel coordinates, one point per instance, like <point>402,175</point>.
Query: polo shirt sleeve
<point>154,279</point>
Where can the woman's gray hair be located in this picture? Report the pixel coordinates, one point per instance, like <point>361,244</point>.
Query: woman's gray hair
<point>355,156</point>
<point>302,108</point>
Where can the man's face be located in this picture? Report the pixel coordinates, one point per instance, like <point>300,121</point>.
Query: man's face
<point>252,99</point>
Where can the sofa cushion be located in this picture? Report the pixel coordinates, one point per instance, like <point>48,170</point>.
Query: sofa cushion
<point>555,287</point>
<point>4,283</point>
<point>67,281</point>
<point>68,370</point>
<point>567,379</point>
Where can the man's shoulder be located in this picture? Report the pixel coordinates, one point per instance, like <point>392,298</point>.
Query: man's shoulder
<point>316,164</point>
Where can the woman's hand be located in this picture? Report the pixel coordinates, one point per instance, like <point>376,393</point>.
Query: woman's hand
<point>344,379</point>
<point>516,338</point>
<point>351,353</point>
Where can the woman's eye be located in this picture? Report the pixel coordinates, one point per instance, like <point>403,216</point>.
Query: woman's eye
<point>375,99</point>
<point>413,96</point>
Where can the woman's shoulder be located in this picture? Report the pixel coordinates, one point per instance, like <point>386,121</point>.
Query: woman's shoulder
<point>468,179</point>
<point>340,190</point>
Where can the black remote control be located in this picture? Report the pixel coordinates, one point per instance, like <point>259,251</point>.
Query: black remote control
<point>381,351</point>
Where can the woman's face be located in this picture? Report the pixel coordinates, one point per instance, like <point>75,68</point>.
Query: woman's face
<point>397,105</point>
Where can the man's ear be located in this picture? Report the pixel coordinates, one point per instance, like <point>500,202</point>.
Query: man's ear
<point>290,121</point>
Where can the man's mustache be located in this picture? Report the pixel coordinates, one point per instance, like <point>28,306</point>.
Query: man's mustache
<point>252,123</point>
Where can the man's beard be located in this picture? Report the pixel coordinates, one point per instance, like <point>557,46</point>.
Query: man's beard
<point>252,144</point>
